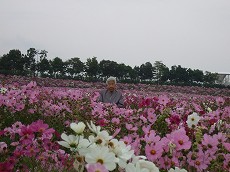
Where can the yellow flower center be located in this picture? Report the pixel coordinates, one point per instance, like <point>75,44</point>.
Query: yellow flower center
<point>180,142</point>
<point>111,144</point>
<point>100,161</point>
<point>99,141</point>
<point>153,152</point>
<point>197,163</point>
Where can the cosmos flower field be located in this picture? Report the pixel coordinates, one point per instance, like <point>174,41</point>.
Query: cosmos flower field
<point>57,125</point>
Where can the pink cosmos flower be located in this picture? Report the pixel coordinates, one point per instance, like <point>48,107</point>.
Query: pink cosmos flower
<point>152,117</point>
<point>31,151</point>
<point>96,168</point>
<point>151,137</point>
<point>146,129</point>
<point>227,146</point>
<point>136,145</point>
<point>143,119</point>
<point>153,151</point>
<point>180,139</point>
<point>115,121</point>
<point>16,126</point>
<point>42,129</point>
<point>9,132</point>
<point>19,106</point>
<point>31,85</point>
<point>227,161</point>
<point>116,132</point>
<point>166,162</point>
<point>210,143</point>
<point>127,140</point>
<point>14,144</point>
<point>220,101</point>
<point>131,127</point>
<point>163,100</point>
<point>26,134</point>
<point>198,160</point>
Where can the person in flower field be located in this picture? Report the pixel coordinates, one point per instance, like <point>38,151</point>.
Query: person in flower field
<point>111,94</point>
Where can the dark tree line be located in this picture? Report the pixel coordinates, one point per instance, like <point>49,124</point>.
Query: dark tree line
<point>35,63</point>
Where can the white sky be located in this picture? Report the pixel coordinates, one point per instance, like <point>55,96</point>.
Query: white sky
<point>191,33</point>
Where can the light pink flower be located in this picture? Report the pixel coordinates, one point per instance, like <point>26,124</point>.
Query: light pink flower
<point>180,139</point>
<point>198,160</point>
<point>210,143</point>
<point>115,121</point>
<point>96,168</point>
<point>153,151</point>
<point>152,117</point>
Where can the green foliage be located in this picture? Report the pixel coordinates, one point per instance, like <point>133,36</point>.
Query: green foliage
<point>161,125</point>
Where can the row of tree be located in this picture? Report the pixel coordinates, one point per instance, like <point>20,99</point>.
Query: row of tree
<point>35,63</point>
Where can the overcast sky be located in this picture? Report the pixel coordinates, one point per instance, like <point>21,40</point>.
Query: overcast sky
<point>191,33</point>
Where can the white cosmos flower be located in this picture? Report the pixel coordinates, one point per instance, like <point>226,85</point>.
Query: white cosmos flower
<point>102,138</point>
<point>193,120</point>
<point>148,165</point>
<point>74,142</point>
<point>177,170</point>
<point>78,128</point>
<point>135,158</point>
<point>134,168</point>
<point>131,168</point>
<point>70,141</point>
<point>103,156</point>
<point>3,90</point>
<point>141,166</point>
<point>122,152</point>
<point>95,129</point>
<point>83,146</point>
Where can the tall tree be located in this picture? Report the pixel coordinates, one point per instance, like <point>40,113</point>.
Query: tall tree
<point>161,71</point>
<point>146,71</point>
<point>13,63</point>
<point>92,67</point>
<point>198,75</point>
<point>195,75</point>
<point>178,74</point>
<point>30,61</point>
<point>74,66</point>
<point>136,70</point>
<point>57,66</point>
<point>44,67</point>
<point>122,71</point>
<point>109,68</point>
<point>43,54</point>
